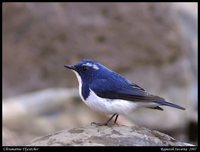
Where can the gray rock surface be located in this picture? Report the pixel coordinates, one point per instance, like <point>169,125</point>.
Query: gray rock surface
<point>107,136</point>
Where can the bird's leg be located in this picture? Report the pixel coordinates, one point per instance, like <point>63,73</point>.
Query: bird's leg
<point>106,123</point>
<point>115,122</point>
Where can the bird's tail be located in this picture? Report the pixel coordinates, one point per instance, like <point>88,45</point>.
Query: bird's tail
<point>165,103</point>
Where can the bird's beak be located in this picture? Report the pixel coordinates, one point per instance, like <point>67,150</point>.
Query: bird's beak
<point>72,67</point>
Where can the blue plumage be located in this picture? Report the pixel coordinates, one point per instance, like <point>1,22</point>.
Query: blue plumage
<point>104,90</point>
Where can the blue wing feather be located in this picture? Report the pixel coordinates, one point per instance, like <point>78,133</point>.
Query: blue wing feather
<point>117,87</point>
<point>122,90</point>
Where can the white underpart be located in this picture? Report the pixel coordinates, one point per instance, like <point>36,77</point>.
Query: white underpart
<point>94,66</point>
<point>80,84</point>
<point>114,105</point>
<point>110,106</point>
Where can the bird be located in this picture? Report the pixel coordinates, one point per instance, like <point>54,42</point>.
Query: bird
<point>107,91</point>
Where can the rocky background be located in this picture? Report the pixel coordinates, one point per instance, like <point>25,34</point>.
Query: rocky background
<point>152,44</point>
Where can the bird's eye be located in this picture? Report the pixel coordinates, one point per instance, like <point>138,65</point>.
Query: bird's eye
<point>85,68</point>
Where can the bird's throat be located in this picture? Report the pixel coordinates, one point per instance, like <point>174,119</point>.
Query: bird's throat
<point>83,87</point>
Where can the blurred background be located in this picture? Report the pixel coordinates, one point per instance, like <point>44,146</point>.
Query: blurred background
<point>152,44</point>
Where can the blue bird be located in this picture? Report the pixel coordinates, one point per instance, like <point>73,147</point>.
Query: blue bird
<point>107,91</point>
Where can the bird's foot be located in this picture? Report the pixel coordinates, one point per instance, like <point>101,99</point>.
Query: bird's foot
<point>106,123</point>
<point>99,124</point>
<point>115,124</point>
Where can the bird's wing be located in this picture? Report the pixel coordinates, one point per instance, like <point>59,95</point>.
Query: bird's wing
<point>106,88</point>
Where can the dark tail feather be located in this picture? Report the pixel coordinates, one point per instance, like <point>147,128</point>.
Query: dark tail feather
<point>165,103</point>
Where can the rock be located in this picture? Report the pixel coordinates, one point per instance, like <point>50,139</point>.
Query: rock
<point>107,136</point>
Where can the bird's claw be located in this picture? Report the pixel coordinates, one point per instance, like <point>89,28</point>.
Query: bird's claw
<point>99,124</point>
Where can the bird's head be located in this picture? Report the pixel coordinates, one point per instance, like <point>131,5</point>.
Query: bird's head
<point>87,69</point>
